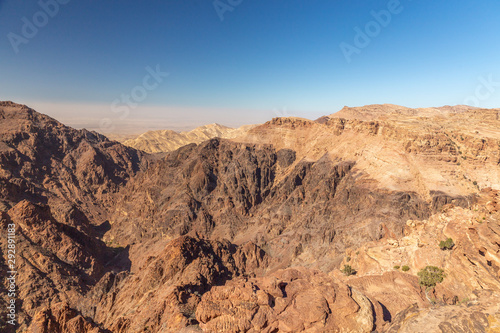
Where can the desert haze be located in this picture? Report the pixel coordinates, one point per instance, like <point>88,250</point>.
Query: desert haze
<point>376,218</point>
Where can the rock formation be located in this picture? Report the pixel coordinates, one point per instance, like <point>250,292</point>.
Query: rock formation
<point>290,226</point>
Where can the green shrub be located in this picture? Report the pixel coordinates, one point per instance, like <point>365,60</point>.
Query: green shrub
<point>348,259</point>
<point>348,270</point>
<point>474,183</point>
<point>430,276</point>
<point>447,244</point>
<point>397,267</point>
<point>405,268</point>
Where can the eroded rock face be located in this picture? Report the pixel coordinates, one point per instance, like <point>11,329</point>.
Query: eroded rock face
<point>392,291</point>
<point>164,292</point>
<point>473,262</point>
<point>291,300</point>
<point>55,261</point>
<point>62,319</point>
<point>54,186</point>
<point>253,193</point>
<point>454,305</point>
<point>480,315</point>
<point>41,160</point>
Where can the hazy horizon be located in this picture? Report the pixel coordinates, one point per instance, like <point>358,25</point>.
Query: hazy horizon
<point>151,118</point>
<point>132,66</point>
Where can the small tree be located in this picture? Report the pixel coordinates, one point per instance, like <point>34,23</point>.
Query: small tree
<point>430,276</point>
<point>405,268</point>
<point>348,270</point>
<point>447,244</point>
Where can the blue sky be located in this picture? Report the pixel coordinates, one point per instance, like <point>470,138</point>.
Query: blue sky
<point>265,58</point>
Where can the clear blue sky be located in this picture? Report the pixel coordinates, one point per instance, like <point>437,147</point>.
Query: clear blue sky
<point>264,55</point>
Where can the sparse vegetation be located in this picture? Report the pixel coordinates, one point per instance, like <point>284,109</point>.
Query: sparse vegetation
<point>474,183</point>
<point>397,267</point>
<point>348,270</point>
<point>447,244</point>
<point>430,276</point>
<point>347,258</point>
<point>405,268</point>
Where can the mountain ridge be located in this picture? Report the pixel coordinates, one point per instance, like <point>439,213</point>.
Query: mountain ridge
<point>162,141</point>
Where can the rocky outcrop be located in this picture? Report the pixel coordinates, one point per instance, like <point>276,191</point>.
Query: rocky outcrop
<point>62,319</point>
<point>54,261</point>
<point>480,315</point>
<point>163,293</point>
<point>55,185</point>
<point>291,300</point>
<point>470,266</point>
<point>41,160</point>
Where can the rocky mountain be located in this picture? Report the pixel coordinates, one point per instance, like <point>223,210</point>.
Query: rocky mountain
<point>380,218</point>
<point>55,187</point>
<point>42,160</point>
<point>167,140</point>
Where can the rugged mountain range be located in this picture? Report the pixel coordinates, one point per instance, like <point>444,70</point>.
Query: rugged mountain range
<point>291,226</point>
<point>163,141</point>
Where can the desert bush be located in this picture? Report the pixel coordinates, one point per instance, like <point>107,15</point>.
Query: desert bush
<point>405,268</point>
<point>348,270</point>
<point>397,267</point>
<point>447,244</point>
<point>430,276</point>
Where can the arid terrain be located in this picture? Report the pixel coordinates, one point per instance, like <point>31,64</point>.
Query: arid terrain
<point>167,140</point>
<point>377,218</point>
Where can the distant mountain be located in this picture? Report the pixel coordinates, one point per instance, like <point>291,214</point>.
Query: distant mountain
<point>168,140</point>
<point>384,111</point>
